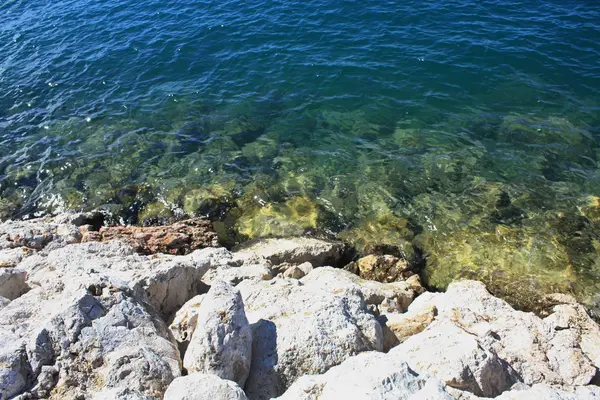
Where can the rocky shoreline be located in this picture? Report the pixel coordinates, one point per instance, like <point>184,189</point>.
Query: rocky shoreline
<point>91,312</point>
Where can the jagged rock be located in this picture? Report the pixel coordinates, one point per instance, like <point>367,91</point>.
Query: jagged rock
<point>235,275</point>
<point>383,268</point>
<point>12,283</point>
<point>293,272</point>
<point>10,258</point>
<point>222,341</point>
<point>93,314</point>
<point>94,343</point>
<point>367,376</point>
<point>46,381</point>
<point>303,328</point>
<point>296,251</point>
<point>584,332</point>
<point>180,238</point>
<point>165,282</point>
<point>36,234</point>
<point>387,297</point>
<point>204,387</point>
<point>456,357</point>
<point>120,394</point>
<point>3,302</point>
<point>552,351</point>
<point>184,323</point>
<point>399,327</point>
<point>546,392</point>
<point>15,371</point>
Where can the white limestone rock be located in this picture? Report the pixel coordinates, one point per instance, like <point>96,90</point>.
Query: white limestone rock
<point>303,328</point>
<point>222,340</point>
<point>367,376</point>
<point>399,327</point>
<point>235,275</point>
<point>10,258</point>
<point>560,350</point>
<point>12,283</point>
<point>546,392</point>
<point>94,343</point>
<point>386,297</point>
<point>296,250</point>
<point>456,357</point>
<point>3,302</point>
<point>166,282</point>
<point>184,323</point>
<point>37,234</point>
<point>199,386</point>
<point>93,314</point>
<point>15,371</point>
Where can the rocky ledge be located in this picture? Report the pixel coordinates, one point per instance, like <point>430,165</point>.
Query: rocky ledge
<point>92,314</point>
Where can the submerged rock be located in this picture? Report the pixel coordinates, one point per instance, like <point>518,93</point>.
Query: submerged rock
<point>385,268</point>
<point>291,218</point>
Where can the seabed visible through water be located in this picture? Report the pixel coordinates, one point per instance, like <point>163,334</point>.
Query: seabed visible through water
<point>461,137</point>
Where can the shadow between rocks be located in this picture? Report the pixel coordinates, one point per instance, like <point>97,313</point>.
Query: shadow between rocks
<point>263,381</point>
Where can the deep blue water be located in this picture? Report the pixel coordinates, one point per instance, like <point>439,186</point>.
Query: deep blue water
<point>463,133</point>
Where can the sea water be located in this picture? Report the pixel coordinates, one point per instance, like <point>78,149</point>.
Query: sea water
<point>462,135</point>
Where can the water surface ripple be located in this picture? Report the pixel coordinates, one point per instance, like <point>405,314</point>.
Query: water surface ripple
<point>462,135</point>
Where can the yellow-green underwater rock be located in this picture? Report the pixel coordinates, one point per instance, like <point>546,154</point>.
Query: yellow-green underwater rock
<point>288,219</point>
<point>385,233</point>
<point>518,264</point>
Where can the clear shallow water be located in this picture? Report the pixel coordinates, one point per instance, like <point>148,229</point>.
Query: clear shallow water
<point>460,134</point>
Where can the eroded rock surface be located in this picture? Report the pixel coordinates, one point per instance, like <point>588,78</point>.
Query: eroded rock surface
<point>458,358</point>
<point>296,251</point>
<point>91,343</point>
<point>204,387</point>
<point>385,297</point>
<point>383,268</point>
<point>561,349</point>
<point>303,328</point>
<point>367,376</point>
<point>221,343</point>
<point>179,238</point>
<point>93,322</point>
<point>12,283</point>
<point>184,322</point>
<point>399,327</point>
<point>88,320</point>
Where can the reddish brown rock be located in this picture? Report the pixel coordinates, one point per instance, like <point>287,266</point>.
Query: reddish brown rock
<point>179,238</point>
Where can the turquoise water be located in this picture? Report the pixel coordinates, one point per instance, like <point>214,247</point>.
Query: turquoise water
<point>463,135</point>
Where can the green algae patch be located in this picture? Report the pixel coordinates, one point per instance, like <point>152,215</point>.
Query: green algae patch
<point>291,218</point>
<point>385,233</point>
